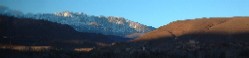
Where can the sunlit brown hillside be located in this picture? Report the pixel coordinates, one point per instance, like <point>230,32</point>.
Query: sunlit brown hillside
<point>224,26</point>
<point>195,38</point>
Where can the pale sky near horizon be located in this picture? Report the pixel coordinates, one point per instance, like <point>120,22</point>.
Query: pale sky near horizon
<point>149,12</point>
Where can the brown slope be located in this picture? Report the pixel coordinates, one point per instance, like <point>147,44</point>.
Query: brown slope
<point>176,29</point>
<point>198,38</point>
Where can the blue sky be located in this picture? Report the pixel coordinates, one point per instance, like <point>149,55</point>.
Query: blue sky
<point>149,12</point>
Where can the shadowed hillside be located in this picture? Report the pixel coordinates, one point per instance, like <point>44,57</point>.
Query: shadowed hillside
<point>25,31</point>
<point>29,38</point>
<point>197,38</point>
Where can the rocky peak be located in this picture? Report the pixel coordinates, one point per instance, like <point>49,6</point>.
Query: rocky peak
<point>108,25</point>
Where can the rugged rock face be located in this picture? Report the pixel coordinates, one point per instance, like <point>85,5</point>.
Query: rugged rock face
<point>81,22</point>
<point>197,38</point>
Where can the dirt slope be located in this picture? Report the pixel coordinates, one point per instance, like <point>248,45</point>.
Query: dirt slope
<point>234,25</point>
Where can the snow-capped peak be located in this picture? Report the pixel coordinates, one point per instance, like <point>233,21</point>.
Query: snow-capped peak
<point>109,25</point>
<point>64,14</point>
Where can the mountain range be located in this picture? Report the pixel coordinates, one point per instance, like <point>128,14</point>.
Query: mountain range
<point>78,35</point>
<point>81,22</point>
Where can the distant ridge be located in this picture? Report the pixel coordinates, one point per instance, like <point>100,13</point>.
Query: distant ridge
<point>108,25</point>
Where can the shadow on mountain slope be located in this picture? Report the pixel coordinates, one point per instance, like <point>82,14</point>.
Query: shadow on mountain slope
<point>185,46</point>
<point>25,31</point>
<point>199,38</point>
